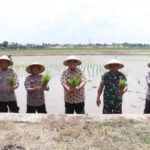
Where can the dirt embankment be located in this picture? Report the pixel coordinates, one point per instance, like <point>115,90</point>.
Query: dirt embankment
<point>89,132</point>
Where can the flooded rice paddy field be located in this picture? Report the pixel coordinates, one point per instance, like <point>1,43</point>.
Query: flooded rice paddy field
<point>135,70</point>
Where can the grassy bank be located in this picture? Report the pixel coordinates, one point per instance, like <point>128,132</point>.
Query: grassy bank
<point>117,134</point>
<point>77,49</point>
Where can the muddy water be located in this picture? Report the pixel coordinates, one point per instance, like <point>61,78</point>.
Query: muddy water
<point>135,70</point>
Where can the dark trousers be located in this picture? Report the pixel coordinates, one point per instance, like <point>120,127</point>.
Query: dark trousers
<point>34,109</point>
<point>10,106</point>
<point>147,107</point>
<point>108,109</point>
<point>71,108</point>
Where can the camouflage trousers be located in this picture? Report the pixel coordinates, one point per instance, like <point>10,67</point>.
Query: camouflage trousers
<point>110,109</point>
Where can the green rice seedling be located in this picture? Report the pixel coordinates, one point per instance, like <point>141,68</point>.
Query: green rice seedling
<point>12,81</point>
<point>88,70</point>
<point>94,87</point>
<point>93,70</point>
<point>122,84</point>
<point>45,79</point>
<point>97,70</point>
<point>74,82</point>
<point>139,81</point>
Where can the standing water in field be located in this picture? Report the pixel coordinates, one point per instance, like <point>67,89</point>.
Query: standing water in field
<point>135,70</point>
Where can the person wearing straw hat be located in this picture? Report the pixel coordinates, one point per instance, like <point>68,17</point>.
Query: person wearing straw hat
<point>74,96</point>
<point>110,83</point>
<point>8,84</point>
<point>147,103</point>
<point>35,91</point>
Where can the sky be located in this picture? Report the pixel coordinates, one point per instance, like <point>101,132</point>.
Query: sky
<point>75,21</point>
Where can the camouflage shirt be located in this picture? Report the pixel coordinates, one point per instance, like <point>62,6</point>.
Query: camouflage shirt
<point>5,93</point>
<point>111,87</point>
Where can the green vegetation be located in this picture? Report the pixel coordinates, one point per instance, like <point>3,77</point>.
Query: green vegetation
<point>12,81</point>
<point>45,79</point>
<point>6,45</point>
<point>122,84</point>
<point>73,49</point>
<point>74,82</point>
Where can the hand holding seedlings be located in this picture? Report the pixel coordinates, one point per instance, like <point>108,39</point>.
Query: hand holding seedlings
<point>12,83</point>
<point>38,88</point>
<point>11,80</point>
<point>44,82</point>
<point>122,84</point>
<point>45,79</point>
<point>77,88</point>
<point>13,88</point>
<point>41,88</point>
<point>46,88</point>
<point>74,83</point>
<point>34,89</point>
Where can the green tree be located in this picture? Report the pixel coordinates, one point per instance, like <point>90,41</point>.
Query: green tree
<point>5,44</point>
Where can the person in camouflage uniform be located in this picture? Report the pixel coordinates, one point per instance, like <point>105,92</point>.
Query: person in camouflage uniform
<point>110,83</point>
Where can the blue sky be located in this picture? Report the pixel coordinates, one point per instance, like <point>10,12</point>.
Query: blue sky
<point>75,21</point>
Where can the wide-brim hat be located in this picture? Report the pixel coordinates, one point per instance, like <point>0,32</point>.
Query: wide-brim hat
<point>41,67</point>
<point>114,62</point>
<point>66,61</point>
<point>4,57</point>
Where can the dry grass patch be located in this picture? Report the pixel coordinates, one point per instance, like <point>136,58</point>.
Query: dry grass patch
<point>118,134</point>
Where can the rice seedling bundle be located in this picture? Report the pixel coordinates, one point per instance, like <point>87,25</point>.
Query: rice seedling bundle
<point>74,82</point>
<point>122,84</point>
<point>45,79</point>
<point>12,81</point>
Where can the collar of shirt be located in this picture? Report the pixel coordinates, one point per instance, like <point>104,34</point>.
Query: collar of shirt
<point>114,74</point>
<point>37,76</point>
<point>71,71</point>
<point>9,71</point>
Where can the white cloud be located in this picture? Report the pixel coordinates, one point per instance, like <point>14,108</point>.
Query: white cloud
<point>74,21</point>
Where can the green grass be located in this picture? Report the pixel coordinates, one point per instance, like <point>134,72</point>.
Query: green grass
<point>76,49</point>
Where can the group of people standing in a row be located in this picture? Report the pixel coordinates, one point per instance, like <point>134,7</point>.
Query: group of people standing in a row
<point>74,96</point>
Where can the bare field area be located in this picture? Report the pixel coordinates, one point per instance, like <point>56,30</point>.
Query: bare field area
<point>76,133</point>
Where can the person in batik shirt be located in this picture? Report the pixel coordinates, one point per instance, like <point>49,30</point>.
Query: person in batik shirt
<point>74,97</point>
<point>110,83</point>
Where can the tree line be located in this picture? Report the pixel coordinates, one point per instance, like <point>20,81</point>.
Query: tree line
<point>8,46</point>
